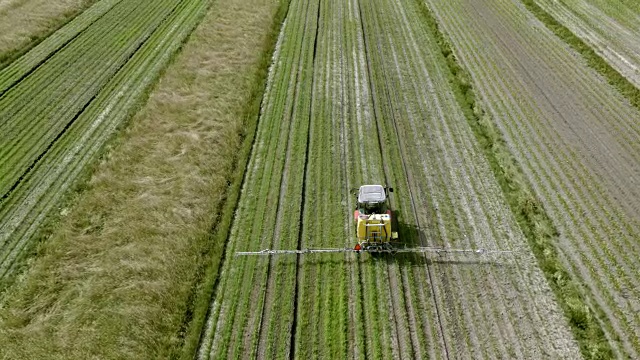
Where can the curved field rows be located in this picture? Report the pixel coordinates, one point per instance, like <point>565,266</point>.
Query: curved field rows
<point>358,93</point>
<point>611,28</point>
<point>57,118</point>
<point>577,140</point>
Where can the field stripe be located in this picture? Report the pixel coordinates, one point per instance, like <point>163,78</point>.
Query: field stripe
<point>38,109</point>
<point>378,95</point>
<point>416,73</point>
<point>274,112</point>
<point>558,166</point>
<point>610,29</point>
<point>30,203</point>
<point>23,66</point>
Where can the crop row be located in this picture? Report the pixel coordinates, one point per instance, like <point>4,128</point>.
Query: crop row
<point>240,312</point>
<point>25,24</point>
<point>457,203</point>
<point>611,28</point>
<point>612,32</point>
<point>40,108</point>
<point>379,109</point>
<point>22,66</point>
<point>550,127</point>
<point>109,102</point>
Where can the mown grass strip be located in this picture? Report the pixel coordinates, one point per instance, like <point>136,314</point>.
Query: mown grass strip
<point>37,36</point>
<point>595,61</point>
<point>528,210</point>
<point>208,273</point>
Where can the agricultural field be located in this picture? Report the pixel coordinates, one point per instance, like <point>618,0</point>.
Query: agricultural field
<point>117,275</point>
<point>64,99</point>
<point>577,140</point>
<point>359,93</point>
<point>146,142</point>
<point>24,23</point>
<point>611,28</point>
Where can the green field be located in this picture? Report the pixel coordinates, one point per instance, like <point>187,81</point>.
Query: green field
<point>144,143</point>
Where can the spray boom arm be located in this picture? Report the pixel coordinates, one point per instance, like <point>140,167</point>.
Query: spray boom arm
<point>437,250</point>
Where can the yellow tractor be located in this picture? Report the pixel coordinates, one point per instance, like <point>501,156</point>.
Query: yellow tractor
<point>373,219</point>
<point>374,230</point>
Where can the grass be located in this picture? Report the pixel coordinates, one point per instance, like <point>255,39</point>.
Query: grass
<point>529,212</point>
<point>209,274</point>
<point>595,61</point>
<point>24,24</point>
<point>21,67</point>
<point>60,92</point>
<point>117,276</point>
<point>69,153</point>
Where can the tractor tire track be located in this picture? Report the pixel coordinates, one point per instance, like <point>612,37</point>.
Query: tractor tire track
<point>375,299</point>
<point>402,342</point>
<point>322,324</point>
<point>271,293</point>
<point>354,294</point>
<point>305,172</point>
<point>393,99</point>
<point>358,340</point>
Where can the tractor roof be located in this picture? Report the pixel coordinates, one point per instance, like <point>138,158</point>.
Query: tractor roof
<point>371,194</point>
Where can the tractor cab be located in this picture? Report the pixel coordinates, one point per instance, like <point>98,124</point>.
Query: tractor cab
<point>372,199</point>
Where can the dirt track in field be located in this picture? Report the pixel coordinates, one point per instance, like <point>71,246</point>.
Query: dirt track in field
<point>577,139</point>
<point>368,79</point>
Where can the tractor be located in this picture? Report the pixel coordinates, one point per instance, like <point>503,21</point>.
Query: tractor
<point>374,230</point>
<point>373,219</point>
